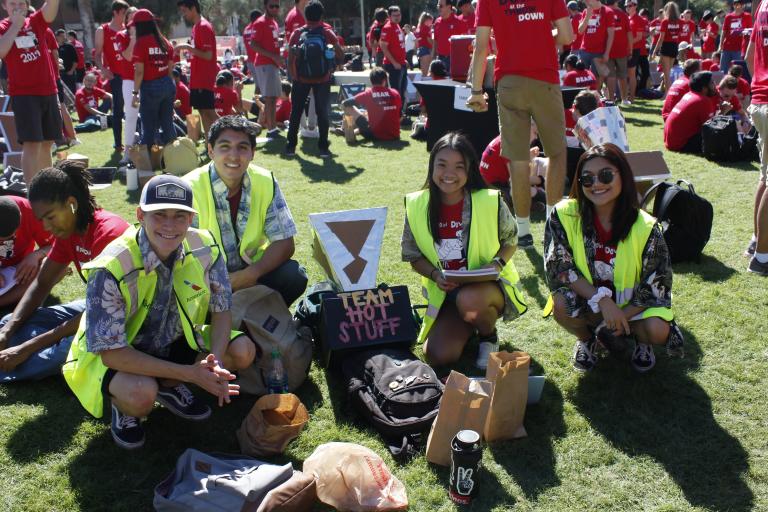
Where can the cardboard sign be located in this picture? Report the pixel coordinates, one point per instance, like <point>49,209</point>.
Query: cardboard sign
<point>364,318</point>
<point>347,244</point>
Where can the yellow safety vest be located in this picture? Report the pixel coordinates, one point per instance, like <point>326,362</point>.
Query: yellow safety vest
<point>483,245</point>
<point>254,242</point>
<point>629,256</point>
<point>84,371</point>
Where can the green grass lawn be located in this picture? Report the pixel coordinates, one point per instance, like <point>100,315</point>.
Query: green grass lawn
<point>690,435</point>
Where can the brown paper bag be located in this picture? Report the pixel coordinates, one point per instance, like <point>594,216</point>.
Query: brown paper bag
<point>509,373</point>
<point>464,405</point>
<point>274,421</point>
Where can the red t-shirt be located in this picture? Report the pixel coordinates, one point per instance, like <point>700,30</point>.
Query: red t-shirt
<point>686,119</point>
<point>760,44</point>
<point>449,228</point>
<point>443,29</point>
<point>125,66</point>
<point>708,42</point>
<point>90,98</point>
<point>707,64</point>
<point>605,257</point>
<point>203,72</point>
<point>156,60</point>
<point>620,46</point>
<point>676,92</point>
<point>52,45</point>
<point>265,34</point>
<point>247,38</point>
<point>469,21</point>
<point>29,59</point>
<point>575,26</point>
<point>639,27</point>
<point>570,122</point>
<point>29,233</point>
<point>733,25</point>
<point>595,37</point>
<point>80,50</point>
<point>743,87</point>
<point>584,78</point>
<point>531,30</point>
<point>224,99</point>
<point>182,94</point>
<point>283,113</point>
<point>77,249</point>
<point>111,56</point>
<point>655,25</point>
<point>330,39</point>
<point>672,30</point>
<point>687,30</point>
<point>393,35</point>
<point>423,36</point>
<point>294,20</point>
<point>383,105</point>
<point>718,100</point>
<point>494,167</point>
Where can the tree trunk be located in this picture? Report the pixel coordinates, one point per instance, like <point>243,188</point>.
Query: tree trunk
<point>86,18</point>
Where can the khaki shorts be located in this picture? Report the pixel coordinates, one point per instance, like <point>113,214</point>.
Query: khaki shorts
<point>617,67</point>
<point>759,115</point>
<point>521,98</point>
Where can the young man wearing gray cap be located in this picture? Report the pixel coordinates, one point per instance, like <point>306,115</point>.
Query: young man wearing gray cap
<point>148,296</point>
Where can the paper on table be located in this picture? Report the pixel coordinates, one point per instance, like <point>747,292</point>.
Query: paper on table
<point>471,276</point>
<point>460,96</point>
<point>8,274</point>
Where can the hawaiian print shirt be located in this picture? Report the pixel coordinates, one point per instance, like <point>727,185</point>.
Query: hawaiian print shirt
<point>105,312</point>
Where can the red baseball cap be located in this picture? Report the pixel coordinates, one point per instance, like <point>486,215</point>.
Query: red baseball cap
<point>140,16</point>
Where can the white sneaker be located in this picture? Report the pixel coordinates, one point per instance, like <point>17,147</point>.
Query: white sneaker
<point>310,133</point>
<point>626,102</point>
<point>484,350</point>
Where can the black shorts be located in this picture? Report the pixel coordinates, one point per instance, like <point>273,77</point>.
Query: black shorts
<point>201,99</point>
<point>634,59</point>
<point>669,49</point>
<point>364,127</point>
<point>41,119</point>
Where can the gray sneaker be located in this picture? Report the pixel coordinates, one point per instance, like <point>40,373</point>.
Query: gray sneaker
<point>751,248</point>
<point>584,358</point>
<point>757,268</point>
<point>643,358</point>
<point>525,242</point>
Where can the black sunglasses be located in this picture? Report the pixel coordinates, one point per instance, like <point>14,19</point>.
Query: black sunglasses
<point>605,176</point>
<point>276,6</point>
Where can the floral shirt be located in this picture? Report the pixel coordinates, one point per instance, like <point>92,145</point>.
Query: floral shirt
<point>278,223</point>
<point>653,290</point>
<point>105,312</point>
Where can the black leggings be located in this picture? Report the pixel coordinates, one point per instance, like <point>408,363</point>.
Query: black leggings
<point>643,71</point>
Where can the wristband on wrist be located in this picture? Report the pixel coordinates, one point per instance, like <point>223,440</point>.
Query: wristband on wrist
<point>477,93</point>
<point>500,262</point>
<point>594,302</point>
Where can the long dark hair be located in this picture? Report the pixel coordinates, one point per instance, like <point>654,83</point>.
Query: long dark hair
<point>146,28</point>
<point>66,179</point>
<point>626,208</point>
<point>456,141</point>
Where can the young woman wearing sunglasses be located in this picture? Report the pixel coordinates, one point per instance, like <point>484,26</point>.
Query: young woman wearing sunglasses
<point>608,266</point>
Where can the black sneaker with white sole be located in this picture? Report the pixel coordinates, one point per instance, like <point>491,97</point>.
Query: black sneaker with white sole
<point>525,241</point>
<point>675,341</point>
<point>758,268</point>
<point>181,402</point>
<point>751,248</point>
<point>643,358</point>
<point>126,430</point>
<point>584,358</point>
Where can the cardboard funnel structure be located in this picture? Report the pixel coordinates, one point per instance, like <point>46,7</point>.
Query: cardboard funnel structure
<point>347,244</point>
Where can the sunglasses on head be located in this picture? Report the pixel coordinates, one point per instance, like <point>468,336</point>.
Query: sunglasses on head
<point>605,176</point>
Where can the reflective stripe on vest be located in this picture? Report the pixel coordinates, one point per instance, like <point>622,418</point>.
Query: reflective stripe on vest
<point>254,242</point>
<point>483,244</point>
<point>628,264</point>
<point>84,371</point>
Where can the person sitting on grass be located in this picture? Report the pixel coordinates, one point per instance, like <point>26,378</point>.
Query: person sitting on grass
<point>381,119</point>
<point>456,223</point>
<point>242,205</point>
<point>743,90</point>
<point>148,296</point>
<point>226,95</point>
<point>679,87</point>
<point>682,129</point>
<point>577,74</point>
<point>20,232</point>
<point>608,267</point>
<point>494,169</point>
<point>727,101</point>
<point>34,340</point>
<point>283,114</point>
<point>89,110</point>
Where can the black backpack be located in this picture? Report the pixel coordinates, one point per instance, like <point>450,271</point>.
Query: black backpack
<point>720,139</point>
<point>308,309</point>
<point>311,59</point>
<point>685,217</point>
<point>397,393</point>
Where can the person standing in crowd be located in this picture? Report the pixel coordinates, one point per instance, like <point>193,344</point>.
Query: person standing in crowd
<point>669,38</point>
<point>687,27</point>
<point>597,27</point>
<point>733,27</point>
<point>638,30</point>
<point>294,20</point>
<point>303,85</point>
<point>574,48</point>
<point>204,68</point>
<point>68,56</point>
<point>34,340</point>
<point>125,46</point>
<point>31,81</point>
<point>709,31</point>
<point>447,24</point>
<point>250,53</point>
<point>757,65</point>
<point>608,267</point>
<point>80,49</point>
<point>424,37</point>
<point>410,45</point>
<point>69,135</point>
<point>467,15</point>
<point>268,62</point>
<point>109,61</point>
<point>528,86</point>
<point>374,34</point>
<point>618,56</point>
<point>242,206</point>
<point>392,43</point>
<point>682,129</point>
<point>157,324</point>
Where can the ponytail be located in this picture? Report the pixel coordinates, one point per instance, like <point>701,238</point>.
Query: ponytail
<point>68,178</point>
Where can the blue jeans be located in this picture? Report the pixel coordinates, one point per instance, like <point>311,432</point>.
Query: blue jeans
<point>48,361</point>
<point>156,110</point>
<point>117,109</point>
<point>398,79</point>
<point>726,57</point>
